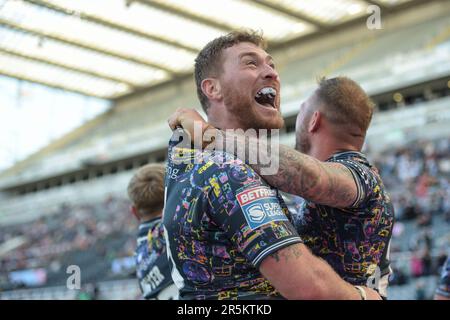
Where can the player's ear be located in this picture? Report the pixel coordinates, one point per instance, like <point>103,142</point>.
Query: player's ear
<point>134,212</point>
<point>315,121</point>
<point>211,88</point>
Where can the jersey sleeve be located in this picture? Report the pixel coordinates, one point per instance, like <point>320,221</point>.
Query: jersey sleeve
<point>250,212</point>
<point>366,182</point>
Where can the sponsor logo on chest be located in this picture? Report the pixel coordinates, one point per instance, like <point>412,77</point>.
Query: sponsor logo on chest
<point>260,206</point>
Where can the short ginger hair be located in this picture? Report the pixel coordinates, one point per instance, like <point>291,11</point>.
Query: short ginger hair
<point>345,104</point>
<point>146,189</point>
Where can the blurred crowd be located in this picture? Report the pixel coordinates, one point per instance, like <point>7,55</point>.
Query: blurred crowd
<point>47,241</point>
<point>418,179</point>
<point>417,176</point>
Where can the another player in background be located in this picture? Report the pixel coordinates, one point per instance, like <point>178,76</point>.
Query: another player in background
<point>146,192</point>
<point>443,289</point>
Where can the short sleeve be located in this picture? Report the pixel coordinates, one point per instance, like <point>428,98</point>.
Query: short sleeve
<point>366,182</point>
<point>250,212</point>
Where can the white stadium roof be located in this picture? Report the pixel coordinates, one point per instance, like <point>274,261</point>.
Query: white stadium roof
<point>112,48</point>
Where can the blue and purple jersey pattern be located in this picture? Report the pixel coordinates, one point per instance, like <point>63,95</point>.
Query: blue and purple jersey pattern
<point>353,240</point>
<point>443,288</point>
<point>152,267</point>
<point>222,220</point>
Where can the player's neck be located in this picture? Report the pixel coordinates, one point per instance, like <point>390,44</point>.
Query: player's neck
<point>220,118</point>
<point>323,152</point>
<point>149,218</point>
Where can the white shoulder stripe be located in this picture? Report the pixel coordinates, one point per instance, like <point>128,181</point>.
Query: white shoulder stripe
<point>265,252</point>
<point>359,189</point>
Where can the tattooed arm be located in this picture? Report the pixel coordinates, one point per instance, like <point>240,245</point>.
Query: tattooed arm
<point>297,274</point>
<point>324,183</point>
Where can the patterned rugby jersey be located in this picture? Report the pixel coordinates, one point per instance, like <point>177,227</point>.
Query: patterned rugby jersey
<point>354,240</point>
<point>222,220</point>
<point>443,288</point>
<point>152,266</point>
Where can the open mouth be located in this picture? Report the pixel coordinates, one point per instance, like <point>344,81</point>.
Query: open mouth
<point>266,97</point>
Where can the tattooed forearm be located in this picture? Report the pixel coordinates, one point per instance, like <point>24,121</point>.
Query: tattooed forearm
<point>291,252</point>
<point>324,183</point>
<point>339,189</point>
<point>299,174</point>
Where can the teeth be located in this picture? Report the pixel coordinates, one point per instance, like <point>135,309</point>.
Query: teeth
<point>266,96</point>
<point>267,91</point>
